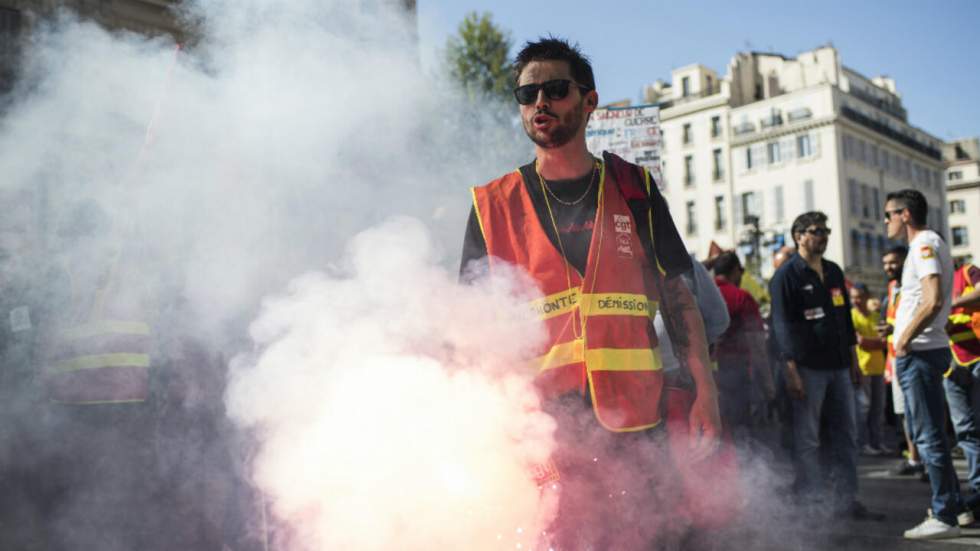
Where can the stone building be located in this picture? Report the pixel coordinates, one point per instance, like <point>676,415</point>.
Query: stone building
<point>746,152</point>
<point>963,192</point>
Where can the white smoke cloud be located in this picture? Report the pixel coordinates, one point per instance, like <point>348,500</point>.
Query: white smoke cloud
<point>388,413</point>
<point>392,418</point>
<point>282,131</point>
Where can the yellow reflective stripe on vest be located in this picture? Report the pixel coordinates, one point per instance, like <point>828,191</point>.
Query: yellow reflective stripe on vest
<point>965,319</point>
<point>97,402</point>
<point>562,354</point>
<point>620,359</point>
<point>96,361</point>
<point>964,336</point>
<point>618,304</point>
<point>108,327</point>
<point>556,304</point>
<point>595,304</point>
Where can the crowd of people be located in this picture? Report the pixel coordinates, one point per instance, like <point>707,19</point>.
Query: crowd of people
<point>845,359</point>
<point>820,360</point>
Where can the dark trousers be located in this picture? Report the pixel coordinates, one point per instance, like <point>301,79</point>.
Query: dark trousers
<point>100,478</point>
<point>734,398</point>
<point>614,487</point>
<point>827,393</point>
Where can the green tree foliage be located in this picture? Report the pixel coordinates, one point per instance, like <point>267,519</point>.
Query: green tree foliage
<point>478,57</point>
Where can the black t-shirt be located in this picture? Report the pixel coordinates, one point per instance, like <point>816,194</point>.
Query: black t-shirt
<point>575,223</point>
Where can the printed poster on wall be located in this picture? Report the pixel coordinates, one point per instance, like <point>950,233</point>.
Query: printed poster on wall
<point>633,133</point>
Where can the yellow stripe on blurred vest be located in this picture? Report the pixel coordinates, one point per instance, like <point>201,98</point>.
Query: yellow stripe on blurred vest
<point>617,359</point>
<point>97,361</point>
<point>960,318</point>
<point>964,336</point>
<point>562,354</point>
<point>107,327</point>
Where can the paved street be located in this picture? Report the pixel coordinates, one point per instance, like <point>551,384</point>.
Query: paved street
<point>903,499</point>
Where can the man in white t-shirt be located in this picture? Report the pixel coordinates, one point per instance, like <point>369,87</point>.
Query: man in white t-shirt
<point>922,356</point>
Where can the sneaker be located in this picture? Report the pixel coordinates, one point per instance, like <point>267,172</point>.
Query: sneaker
<point>907,469</point>
<point>867,450</point>
<point>963,519</point>
<point>932,529</point>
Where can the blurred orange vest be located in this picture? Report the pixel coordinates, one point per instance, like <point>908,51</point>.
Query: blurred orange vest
<point>102,354</point>
<point>894,295</point>
<point>964,331</point>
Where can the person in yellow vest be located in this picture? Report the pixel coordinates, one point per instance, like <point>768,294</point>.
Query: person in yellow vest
<point>961,385</point>
<point>568,219</point>
<point>96,378</point>
<point>871,359</point>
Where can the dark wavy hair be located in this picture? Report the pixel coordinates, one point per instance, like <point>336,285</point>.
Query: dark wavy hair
<point>555,49</point>
<point>806,220</point>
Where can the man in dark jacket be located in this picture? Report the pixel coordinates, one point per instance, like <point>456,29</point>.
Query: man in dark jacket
<point>815,335</point>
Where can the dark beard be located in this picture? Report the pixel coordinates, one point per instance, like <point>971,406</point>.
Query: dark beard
<point>561,134</point>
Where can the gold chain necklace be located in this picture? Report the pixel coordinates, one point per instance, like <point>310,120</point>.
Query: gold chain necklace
<point>576,331</point>
<point>547,188</point>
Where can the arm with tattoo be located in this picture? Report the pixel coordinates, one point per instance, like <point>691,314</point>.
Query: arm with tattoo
<point>691,345</point>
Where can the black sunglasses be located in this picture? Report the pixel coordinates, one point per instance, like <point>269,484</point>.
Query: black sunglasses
<point>818,232</point>
<point>553,89</point>
<point>889,213</point>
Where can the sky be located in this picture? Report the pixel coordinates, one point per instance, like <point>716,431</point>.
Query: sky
<point>929,48</point>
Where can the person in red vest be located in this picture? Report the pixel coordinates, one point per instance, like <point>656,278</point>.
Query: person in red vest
<point>961,385</point>
<point>568,219</point>
<point>741,350</point>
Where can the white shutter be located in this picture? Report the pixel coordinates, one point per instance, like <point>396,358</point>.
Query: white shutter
<point>758,207</point>
<point>809,203</point>
<point>776,205</point>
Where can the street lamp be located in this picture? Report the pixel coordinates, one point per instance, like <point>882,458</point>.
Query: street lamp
<point>752,240</point>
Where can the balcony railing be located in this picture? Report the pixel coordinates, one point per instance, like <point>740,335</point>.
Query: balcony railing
<point>744,128</point>
<point>772,121</point>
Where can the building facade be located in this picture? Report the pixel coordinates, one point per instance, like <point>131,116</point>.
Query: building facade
<point>745,153</point>
<point>963,193</point>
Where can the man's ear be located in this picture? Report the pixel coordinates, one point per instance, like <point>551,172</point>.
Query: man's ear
<point>592,99</point>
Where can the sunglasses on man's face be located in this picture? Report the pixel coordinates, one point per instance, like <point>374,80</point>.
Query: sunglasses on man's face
<point>553,89</point>
<point>890,213</point>
<point>818,232</point>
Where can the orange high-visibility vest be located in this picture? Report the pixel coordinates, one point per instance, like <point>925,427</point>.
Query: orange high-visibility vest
<point>601,339</point>
<point>890,312</point>
<point>102,355</point>
<point>964,334</point>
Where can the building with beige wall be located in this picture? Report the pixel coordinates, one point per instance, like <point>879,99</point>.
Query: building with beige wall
<point>775,137</point>
<point>963,193</point>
